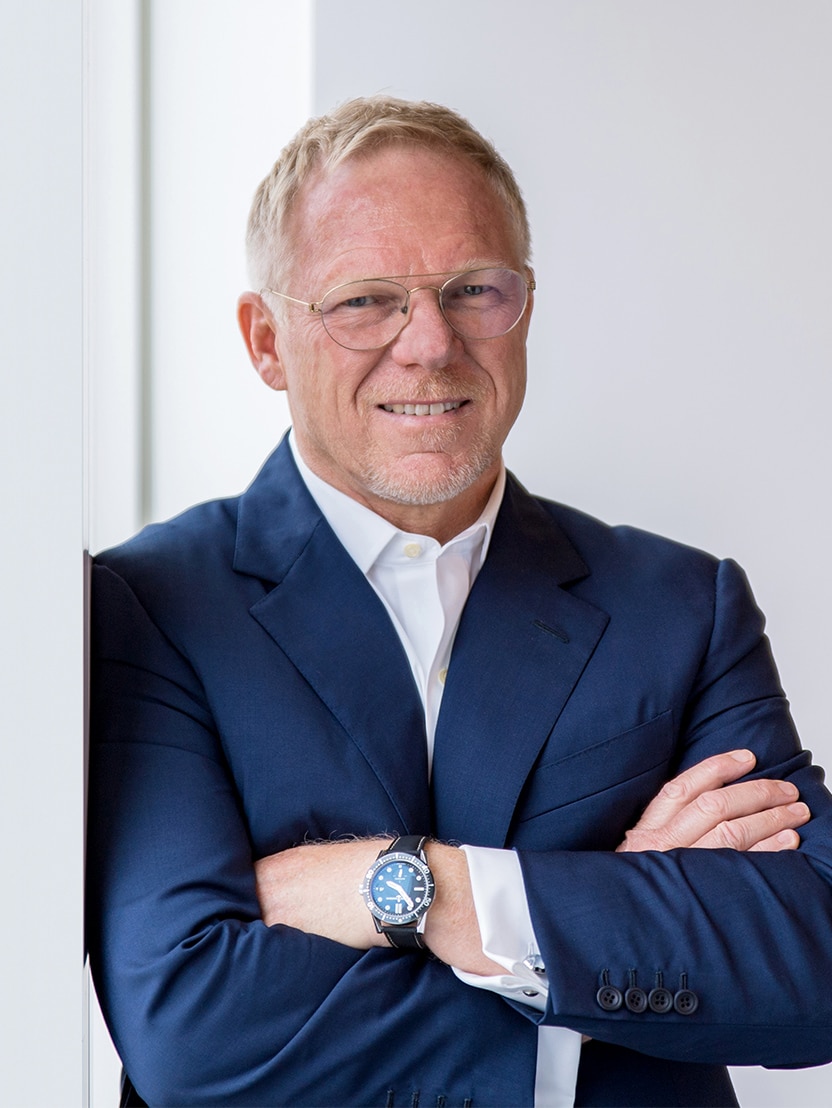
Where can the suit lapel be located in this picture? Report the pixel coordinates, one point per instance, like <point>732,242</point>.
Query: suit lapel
<point>328,621</point>
<point>522,644</point>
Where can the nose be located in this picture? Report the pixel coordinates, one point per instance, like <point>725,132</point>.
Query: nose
<point>427,339</point>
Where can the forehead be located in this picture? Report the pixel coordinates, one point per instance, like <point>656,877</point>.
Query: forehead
<point>399,211</point>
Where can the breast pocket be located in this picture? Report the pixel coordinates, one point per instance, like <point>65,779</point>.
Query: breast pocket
<point>588,799</point>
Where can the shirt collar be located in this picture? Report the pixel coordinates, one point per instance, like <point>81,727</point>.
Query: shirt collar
<point>365,534</point>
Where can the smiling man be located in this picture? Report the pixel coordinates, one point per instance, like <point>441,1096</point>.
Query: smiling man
<point>408,788</point>
<point>413,426</point>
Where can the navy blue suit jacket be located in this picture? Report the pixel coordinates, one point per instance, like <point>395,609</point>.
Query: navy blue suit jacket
<point>249,692</point>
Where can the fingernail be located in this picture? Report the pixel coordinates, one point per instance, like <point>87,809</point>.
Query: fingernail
<point>798,809</point>
<point>787,837</point>
<point>787,787</point>
<point>742,755</point>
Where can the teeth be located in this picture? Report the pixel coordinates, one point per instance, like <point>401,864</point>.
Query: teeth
<point>421,409</point>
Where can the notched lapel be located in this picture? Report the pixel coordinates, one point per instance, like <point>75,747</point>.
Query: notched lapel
<point>522,645</point>
<point>328,621</point>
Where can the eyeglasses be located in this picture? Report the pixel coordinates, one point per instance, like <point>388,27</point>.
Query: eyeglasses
<point>369,314</point>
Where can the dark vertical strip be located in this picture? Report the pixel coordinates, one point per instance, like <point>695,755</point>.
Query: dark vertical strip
<point>145,266</point>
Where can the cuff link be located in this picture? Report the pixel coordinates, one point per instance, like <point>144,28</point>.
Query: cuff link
<point>535,963</point>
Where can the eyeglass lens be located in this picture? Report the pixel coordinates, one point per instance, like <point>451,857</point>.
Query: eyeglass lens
<point>481,304</point>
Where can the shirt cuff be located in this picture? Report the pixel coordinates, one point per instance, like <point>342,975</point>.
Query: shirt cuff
<point>506,929</point>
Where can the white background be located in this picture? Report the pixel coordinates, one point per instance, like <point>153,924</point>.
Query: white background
<point>676,160</point>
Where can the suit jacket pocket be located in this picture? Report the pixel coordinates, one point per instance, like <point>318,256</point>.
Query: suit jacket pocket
<point>586,800</point>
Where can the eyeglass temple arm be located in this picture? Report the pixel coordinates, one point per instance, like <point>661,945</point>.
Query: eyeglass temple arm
<point>294,299</point>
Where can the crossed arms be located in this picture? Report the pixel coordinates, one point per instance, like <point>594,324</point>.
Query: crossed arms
<point>215,753</point>
<point>700,808</point>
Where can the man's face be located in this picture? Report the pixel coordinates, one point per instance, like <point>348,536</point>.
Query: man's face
<point>398,213</point>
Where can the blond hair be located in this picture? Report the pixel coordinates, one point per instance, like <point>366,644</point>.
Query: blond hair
<point>355,128</point>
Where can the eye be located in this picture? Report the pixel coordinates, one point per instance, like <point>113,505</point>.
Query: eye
<point>470,295</point>
<point>364,301</point>
<point>368,299</point>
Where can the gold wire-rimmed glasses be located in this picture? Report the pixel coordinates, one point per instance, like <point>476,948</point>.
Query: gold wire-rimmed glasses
<point>368,314</point>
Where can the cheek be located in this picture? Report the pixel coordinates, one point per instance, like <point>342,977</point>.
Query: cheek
<point>512,381</point>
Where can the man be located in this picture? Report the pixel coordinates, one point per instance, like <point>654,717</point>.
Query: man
<point>385,639</point>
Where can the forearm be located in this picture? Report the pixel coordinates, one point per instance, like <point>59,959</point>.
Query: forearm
<point>314,887</point>
<point>749,931</point>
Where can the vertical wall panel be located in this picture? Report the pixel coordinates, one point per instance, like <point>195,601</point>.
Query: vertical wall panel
<point>41,587</point>
<point>226,92</point>
<point>188,103</point>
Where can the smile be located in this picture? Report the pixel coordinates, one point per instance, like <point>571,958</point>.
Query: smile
<point>422,409</point>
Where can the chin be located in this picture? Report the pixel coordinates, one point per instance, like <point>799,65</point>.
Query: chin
<point>415,486</point>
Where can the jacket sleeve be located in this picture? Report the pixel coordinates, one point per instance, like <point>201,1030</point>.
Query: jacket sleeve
<point>205,1003</point>
<point>174,932</point>
<point>743,938</point>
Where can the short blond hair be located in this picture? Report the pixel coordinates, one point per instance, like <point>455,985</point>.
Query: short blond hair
<point>358,127</point>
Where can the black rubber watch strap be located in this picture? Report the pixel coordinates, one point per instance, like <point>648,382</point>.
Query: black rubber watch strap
<point>404,938</point>
<point>406,844</point>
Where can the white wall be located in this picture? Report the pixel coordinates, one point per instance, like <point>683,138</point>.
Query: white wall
<point>41,585</point>
<point>677,165</point>
<point>226,93</point>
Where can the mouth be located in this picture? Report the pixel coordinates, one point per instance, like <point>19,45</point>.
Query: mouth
<point>434,409</point>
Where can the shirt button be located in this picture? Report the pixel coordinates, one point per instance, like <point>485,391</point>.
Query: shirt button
<point>442,675</point>
<point>530,992</point>
<point>412,549</point>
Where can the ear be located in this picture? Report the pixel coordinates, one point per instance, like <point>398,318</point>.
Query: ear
<point>259,334</point>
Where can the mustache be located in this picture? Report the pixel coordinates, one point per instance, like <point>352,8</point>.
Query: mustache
<point>433,388</point>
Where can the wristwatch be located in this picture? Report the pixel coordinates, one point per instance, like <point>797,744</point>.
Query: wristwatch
<point>398,889</point>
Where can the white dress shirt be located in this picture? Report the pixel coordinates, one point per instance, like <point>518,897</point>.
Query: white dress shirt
<point>424,587</point>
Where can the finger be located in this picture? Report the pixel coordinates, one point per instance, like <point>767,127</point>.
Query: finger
<point>717,808</point>
<point>712,773</point>
<point>746,832</point>
<point>783,840</point>
<point>721,808</point>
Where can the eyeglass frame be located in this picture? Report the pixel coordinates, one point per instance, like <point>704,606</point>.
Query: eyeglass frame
<point>316,306</point>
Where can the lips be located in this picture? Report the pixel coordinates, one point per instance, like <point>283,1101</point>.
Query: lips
<point>434,409</point>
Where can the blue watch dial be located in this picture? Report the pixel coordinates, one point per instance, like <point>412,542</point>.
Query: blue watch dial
<point>398,889</point>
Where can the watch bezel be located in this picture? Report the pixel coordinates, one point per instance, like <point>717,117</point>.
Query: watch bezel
<point>400,919</point>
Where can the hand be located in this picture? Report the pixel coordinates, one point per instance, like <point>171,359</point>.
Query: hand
<point>700,808</point>
<point>398,889</point>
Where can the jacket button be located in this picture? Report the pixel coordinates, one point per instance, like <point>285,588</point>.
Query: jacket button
<point>660,1000</point>
<point>685,1002</point>
<point>636,1000</point>
<point>609,998</point>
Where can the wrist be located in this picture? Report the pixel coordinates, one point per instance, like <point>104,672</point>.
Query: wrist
<point>398,890</point>
<point>452,931</point>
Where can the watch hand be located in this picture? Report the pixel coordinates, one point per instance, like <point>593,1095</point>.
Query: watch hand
<point>401,892</point>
